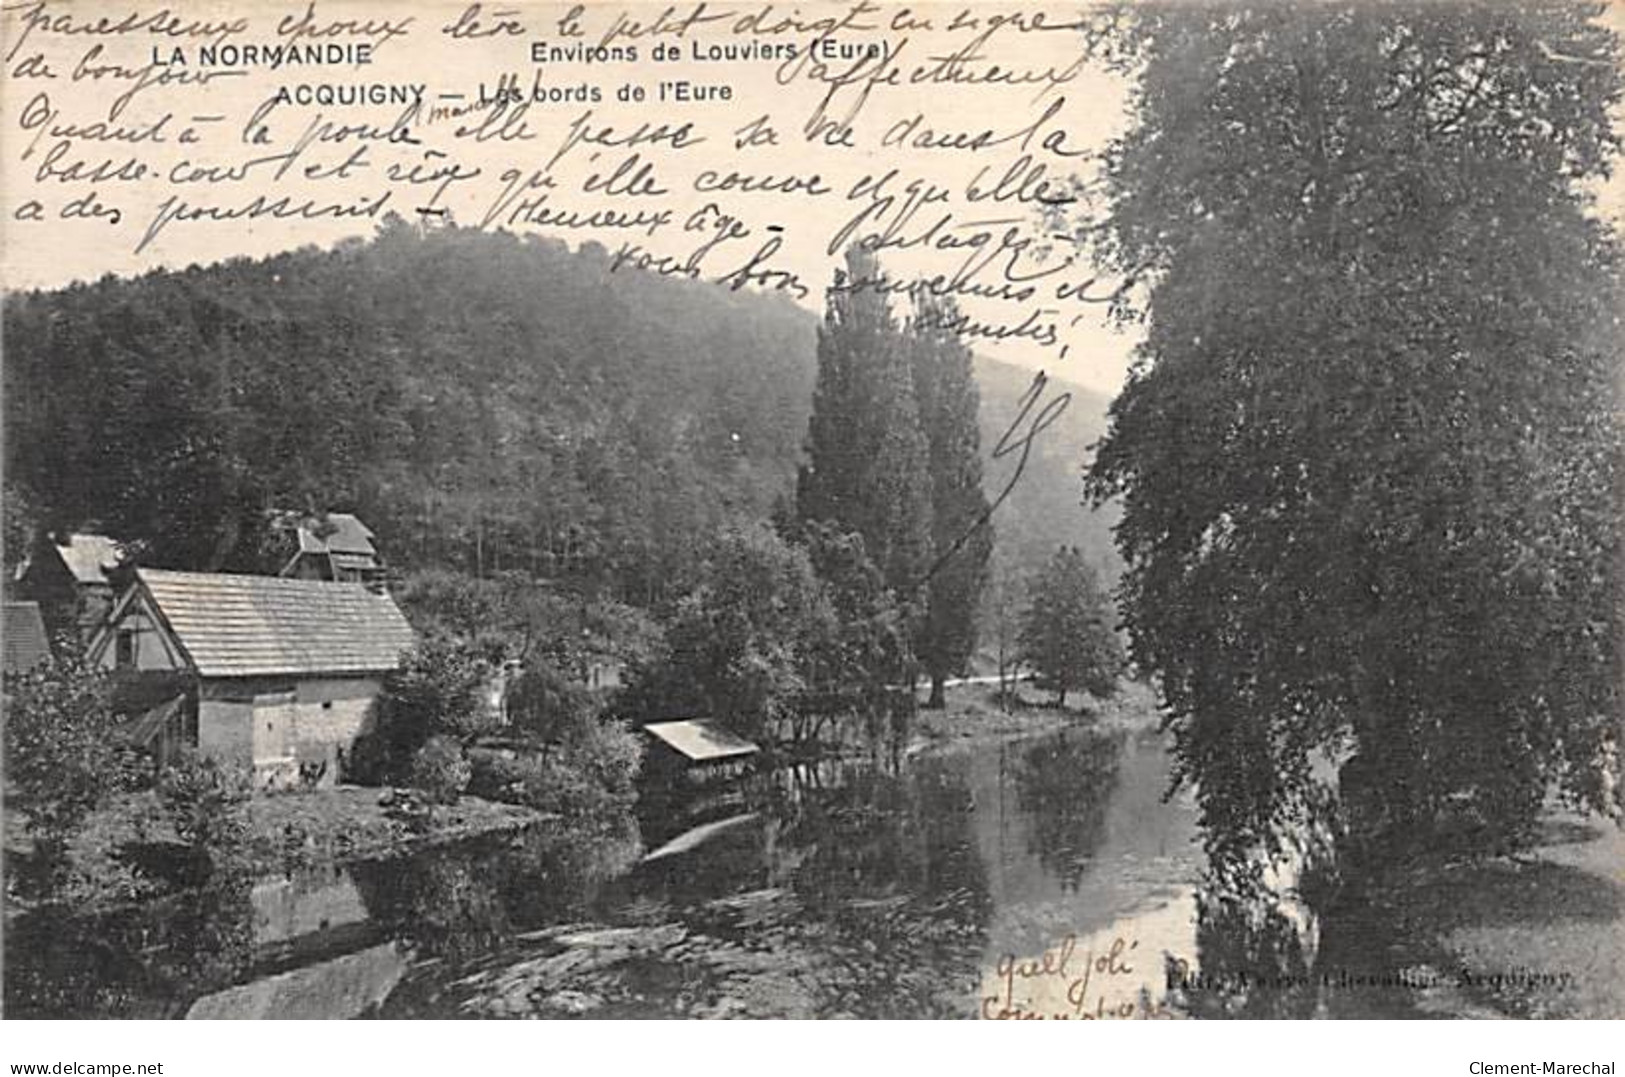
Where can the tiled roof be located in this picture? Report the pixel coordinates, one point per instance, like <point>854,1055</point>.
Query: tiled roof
<point>22,635</point>
<point>348,535</point>
<point>89,557</point>
<point>701,740</point>
<point>239,626</point>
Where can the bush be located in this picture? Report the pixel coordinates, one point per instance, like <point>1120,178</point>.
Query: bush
<point>61,758</point>
<point>207,804</point>
<point>440,770</point>
<point>588,777</point>
<point>437,692</point>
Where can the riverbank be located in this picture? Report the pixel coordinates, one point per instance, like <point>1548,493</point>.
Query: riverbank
<point>337,825</point>
<point>974,715</point>
<point>1538,935</point>
<point>353,822</point>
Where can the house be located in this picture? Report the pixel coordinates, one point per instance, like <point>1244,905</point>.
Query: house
<point>277,675</point>
<point>74,580</point>
<point>603,672</point>
<point>22,637</point>
<point>336,547</point>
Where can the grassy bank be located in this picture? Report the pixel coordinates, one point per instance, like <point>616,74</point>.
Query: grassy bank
<point>354,823</point>
<point>1537,935</point>
<point>974,714</point>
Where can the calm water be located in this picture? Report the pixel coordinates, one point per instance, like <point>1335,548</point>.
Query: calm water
<point>1040,876</point>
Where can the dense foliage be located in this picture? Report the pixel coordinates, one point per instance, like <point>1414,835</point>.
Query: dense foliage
<point>1369,460</point>
<point>483,402</point>
<point>546,450</point>
<point>501,662</point>
<point>529,620</point>
<point>63,757</point>
<point>742,644</point>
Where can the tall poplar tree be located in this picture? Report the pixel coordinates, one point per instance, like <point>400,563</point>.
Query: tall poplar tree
<point>866,470</point>
<point>961,535</point>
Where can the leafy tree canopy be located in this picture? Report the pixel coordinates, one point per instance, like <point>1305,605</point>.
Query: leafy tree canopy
<point>1369,459</point>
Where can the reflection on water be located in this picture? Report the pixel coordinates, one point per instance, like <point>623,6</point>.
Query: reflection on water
<point>1253,963</point>
<point>1037,877</point>
<point>143,962</point>
<point>348,985</point>
<point>1120,867</point>
<point>1063,787</point>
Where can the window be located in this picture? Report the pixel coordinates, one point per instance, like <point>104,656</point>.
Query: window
<point>124,654</point>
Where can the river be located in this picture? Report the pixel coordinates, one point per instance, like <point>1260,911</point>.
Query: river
<point>1038,876</point>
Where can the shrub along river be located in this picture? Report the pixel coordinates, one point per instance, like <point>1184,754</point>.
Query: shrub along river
<point>1038,876</point>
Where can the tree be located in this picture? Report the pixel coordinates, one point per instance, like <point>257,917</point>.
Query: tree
<point>1369,456</point>
<point>961,534</point>
<point>864,657</point>
<point>741,646</point>
<point>866,468</point>
<point>62,756</point>
<point>1066,630</point>
<point>439,691</point>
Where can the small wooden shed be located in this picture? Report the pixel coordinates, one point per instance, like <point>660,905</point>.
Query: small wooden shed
<point>699,746</point>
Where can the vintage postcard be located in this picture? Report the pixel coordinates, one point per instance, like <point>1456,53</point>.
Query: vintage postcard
<point>849,508</point>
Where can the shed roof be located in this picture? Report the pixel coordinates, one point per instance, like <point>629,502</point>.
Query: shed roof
<point>22,635</point>
<point>701,739</point>
<point>347,535</point>
<point>90,557</point>
<point>240,626</point>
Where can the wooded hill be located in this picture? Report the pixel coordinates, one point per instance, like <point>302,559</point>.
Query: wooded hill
<point>484,402</point>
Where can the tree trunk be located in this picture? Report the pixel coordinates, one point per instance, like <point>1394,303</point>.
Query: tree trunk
<point>938,699</point>
<point>1060,699</point>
